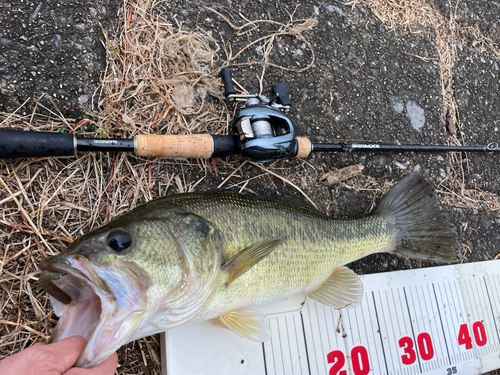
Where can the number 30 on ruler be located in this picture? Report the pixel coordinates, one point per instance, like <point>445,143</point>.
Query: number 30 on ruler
<point>361,363</point>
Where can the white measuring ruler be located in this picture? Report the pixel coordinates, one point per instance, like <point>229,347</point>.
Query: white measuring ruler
<point>442,320</point>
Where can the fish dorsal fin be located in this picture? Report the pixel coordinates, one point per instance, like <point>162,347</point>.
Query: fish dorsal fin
<point>247,323</point>
<point>342,289</point>
<point>245,259</point>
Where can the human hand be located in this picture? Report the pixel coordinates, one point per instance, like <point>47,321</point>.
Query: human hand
<point>55,359</point>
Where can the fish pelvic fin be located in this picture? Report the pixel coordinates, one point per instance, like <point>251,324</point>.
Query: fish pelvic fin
<point>342,289</point>
<point>245,259</point>
<point>247,323</point>
<point>216,322</point>
<point>423,232</point>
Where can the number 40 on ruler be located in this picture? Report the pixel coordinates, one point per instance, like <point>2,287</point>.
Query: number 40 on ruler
<point>360,363</point>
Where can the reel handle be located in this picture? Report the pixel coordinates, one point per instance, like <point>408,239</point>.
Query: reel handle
<point>225,75</point>
<point>283,91</point>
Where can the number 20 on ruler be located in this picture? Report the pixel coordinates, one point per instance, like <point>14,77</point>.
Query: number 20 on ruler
<point>361,363</point>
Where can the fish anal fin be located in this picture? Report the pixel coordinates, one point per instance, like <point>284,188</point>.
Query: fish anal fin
<point>249,257</point>
<point>247,323</point>
<point>342,289</point>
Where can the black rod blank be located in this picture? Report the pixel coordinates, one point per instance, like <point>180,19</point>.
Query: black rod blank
<point>365,147</point>
<point>98,144</point>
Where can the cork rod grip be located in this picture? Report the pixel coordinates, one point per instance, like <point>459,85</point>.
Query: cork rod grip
<point>305,147</point>
<point>175,146</point>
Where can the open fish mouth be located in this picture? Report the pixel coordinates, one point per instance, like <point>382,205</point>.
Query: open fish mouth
<point>93,302</point>
<point>74,300</point>
<point>81,306</point>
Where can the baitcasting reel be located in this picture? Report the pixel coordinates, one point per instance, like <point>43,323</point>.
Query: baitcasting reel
<point>265,132</point>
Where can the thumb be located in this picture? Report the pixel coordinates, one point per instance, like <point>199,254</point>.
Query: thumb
<point>66,351</point>
<point>45,359</point>
<point>107,367</point>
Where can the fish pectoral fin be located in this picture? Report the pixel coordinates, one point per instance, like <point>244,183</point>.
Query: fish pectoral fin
<point>245,259</point>
<point>342,289</point>
<point>250,324</point>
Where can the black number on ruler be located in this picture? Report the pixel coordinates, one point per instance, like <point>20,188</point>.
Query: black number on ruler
<point>451,370</point>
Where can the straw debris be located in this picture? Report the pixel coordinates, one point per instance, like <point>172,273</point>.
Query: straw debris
<point>159,78</point>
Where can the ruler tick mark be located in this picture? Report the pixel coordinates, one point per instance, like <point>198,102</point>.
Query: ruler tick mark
<point>297,341</point>
<point>442,326</point>
<point>309,314</point>
<point>305,342</point>
<point>264,355</point>
<point>272,348</point>
<point>281,346</point>
<point>373,330</point>
<point>320,334</point>
<point>427,364</point>
<point>392,326</point>
<point>364,322</point>
<point>432,324</point>
<point>289,341</point>
<point>326,328</point>
<point>380,333</point>
<point>446,306</point>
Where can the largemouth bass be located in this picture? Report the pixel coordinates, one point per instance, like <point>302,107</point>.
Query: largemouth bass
<point>219,256</point>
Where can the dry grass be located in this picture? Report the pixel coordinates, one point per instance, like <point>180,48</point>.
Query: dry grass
<point>159,79</point>
<point>293,28</point>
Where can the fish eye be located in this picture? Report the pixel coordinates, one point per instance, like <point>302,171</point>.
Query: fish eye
<point>119,241</point>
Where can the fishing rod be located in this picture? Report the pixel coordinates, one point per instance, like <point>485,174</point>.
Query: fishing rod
<point>263,133</point>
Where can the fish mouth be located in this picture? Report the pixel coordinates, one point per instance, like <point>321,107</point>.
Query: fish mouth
<point>79,304</point>
<point>74,300</point>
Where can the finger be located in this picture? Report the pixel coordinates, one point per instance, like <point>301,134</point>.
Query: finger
<point>107,367</point>
<point>47,359</point>
<point>20,363</point>
<point>66,351</point>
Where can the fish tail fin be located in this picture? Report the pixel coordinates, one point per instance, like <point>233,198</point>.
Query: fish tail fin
<point>423,232</point>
